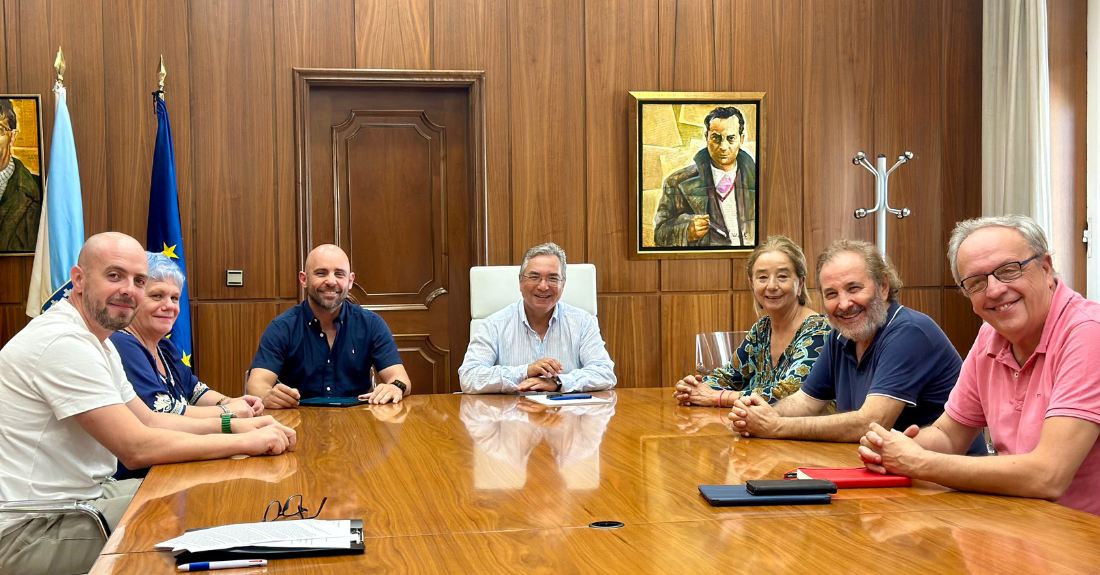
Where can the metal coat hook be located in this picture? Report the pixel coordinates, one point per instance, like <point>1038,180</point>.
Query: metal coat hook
<point>882,201</point>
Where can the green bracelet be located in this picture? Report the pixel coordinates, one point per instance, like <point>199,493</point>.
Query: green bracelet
<point>226,427</point>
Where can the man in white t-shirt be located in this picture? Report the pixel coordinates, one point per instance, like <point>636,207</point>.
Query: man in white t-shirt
<point>68,412</point>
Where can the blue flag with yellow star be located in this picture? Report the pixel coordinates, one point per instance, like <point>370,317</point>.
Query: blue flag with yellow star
<point>164,233</point>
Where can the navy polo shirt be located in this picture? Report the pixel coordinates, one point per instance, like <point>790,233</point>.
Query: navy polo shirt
<point>294,347</point>
<point>910,359</point>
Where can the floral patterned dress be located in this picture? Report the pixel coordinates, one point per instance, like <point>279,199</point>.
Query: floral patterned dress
<point>754,356</point>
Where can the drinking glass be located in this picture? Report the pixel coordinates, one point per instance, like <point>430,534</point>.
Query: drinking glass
<point>716,349</point>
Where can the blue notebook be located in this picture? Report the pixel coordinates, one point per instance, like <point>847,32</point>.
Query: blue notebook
<point>728,495</point>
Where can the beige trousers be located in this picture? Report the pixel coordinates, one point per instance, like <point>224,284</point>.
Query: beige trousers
<point>63,544</point>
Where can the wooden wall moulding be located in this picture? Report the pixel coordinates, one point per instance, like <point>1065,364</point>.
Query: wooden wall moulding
<point>306,79</point>
<point>424,206</point>
<point>427,364</point>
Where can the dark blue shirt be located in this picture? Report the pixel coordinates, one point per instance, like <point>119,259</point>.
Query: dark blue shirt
<point>173,392</point>
<point>910,359</point>
<point>294,347</point>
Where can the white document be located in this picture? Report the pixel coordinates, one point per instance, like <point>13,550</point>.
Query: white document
<point>545,400</point>
<point>244,534</point>
<point>342,542</point>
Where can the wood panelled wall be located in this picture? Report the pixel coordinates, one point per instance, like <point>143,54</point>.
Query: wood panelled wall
<point>881,76</point>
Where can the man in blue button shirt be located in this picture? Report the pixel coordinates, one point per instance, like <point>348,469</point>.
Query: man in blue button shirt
<point>882,363</point>
<point>323,348</point>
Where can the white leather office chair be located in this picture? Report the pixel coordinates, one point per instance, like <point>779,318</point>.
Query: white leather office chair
<point>492,288</point>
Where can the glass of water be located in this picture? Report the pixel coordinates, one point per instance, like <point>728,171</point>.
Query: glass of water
<point>716,349</point>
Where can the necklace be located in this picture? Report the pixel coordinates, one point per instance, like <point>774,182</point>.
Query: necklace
<point>162,368</point>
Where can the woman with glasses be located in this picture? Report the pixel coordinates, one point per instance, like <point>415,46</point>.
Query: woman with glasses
<point>780,348</point>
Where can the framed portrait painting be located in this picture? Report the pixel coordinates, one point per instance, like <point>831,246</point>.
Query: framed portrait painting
<point>696,160</point>
<point>20,172</point>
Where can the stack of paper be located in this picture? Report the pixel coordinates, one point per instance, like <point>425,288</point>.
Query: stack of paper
<point>304,533</point>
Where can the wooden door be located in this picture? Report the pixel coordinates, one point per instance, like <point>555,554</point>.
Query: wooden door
<point>389,171</point>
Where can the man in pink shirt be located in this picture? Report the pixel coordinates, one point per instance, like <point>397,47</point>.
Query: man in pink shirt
<point>1032,377</point>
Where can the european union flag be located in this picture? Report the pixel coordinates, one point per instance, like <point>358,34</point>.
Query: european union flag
<point>61,229</point>
<point>164,233</point>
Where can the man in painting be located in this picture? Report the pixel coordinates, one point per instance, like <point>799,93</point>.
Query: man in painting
<point>20,190</point>
<point>712,202</point>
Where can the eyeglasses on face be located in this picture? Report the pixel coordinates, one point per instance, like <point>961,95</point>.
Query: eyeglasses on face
<point>1005,273</point>
<point>293,507</point>
<point>551,280</point>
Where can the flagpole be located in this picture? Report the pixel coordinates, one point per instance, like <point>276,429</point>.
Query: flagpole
<point>161,73</point>
<point>164,233</point>
<point>61,226</point>
<point>59,66</point>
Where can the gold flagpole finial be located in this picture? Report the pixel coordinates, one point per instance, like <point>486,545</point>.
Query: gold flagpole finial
<point>161,73</point>
<point>59,65</point>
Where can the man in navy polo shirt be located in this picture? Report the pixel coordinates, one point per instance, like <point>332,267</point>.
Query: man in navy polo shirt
<point>882,362</point>
<point>323,348</point>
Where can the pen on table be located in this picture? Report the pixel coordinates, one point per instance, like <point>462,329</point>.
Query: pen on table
<point>210,565</point>
<point>567,397</point>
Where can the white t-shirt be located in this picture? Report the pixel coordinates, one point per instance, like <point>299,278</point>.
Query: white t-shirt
<point>51,370</point>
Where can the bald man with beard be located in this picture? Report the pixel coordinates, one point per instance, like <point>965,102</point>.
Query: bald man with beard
<point>69,415</point>
<point>324,348</point>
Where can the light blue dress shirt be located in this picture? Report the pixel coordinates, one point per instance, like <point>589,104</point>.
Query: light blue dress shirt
<point>504,345</point>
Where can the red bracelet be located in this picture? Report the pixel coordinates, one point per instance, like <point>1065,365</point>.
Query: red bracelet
<point>723,392</point>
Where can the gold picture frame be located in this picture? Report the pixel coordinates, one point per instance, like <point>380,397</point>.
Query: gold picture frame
<point>680,142</point>
<point>21,173</point>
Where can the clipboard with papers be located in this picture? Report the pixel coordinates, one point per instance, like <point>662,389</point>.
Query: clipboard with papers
<point>270,540</point>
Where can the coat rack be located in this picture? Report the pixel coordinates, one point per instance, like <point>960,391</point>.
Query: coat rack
<point>882,198</point>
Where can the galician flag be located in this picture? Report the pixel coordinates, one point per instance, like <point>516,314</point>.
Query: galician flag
<point>61,231</point>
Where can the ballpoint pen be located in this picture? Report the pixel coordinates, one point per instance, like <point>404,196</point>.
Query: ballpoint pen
<point>211,565</point>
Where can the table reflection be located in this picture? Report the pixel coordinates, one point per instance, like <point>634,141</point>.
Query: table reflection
<point>505,429</point>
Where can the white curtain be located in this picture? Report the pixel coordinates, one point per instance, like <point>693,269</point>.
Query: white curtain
<point>1092,152</point>
<point>1016,110</point>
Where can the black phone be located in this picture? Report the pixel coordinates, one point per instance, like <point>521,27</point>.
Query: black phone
<point>789,486</point>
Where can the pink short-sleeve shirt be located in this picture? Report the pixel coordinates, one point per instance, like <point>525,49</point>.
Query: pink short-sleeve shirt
<point>1061,379</point>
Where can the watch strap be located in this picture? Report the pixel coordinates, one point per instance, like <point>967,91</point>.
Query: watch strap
<point>399,385</point>
<point>226,426</point>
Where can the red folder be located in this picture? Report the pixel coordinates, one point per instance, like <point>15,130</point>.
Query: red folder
<point>849,477</point>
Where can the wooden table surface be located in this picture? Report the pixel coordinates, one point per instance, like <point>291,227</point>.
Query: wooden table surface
<point>496,484</point>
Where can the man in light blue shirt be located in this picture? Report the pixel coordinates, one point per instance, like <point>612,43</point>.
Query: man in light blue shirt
<point>538,343</point>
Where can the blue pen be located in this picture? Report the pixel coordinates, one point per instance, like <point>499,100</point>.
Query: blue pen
<point>211,565</point>
<point>566,397</point>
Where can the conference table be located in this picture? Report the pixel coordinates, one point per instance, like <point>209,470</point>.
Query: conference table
<point>501,484</point>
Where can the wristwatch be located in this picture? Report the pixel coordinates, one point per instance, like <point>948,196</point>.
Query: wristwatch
<point>226,417</point>
<point>400,385</point>
<point>557,380</point>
